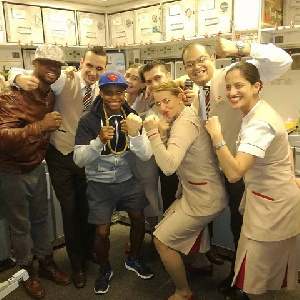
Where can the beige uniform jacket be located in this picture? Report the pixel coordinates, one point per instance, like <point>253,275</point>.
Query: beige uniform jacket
<point>202,190</point>
<point>271,198</point>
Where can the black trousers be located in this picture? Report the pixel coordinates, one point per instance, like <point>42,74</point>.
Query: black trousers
<point>169,185</point>
<point>69,183</point>
<point>235,192</point>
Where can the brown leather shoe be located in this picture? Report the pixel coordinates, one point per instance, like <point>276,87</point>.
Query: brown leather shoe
<point>48,269</point>
<point>79,279</point>
<point>205,271</point>
<point>34,288</point>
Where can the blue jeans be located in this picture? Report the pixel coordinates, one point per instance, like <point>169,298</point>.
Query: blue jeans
<point>23,199</point>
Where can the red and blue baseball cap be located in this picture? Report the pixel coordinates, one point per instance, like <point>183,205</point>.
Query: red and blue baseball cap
<point>112,77</point>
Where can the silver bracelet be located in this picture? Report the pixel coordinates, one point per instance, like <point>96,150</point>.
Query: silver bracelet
<point>218,146</point>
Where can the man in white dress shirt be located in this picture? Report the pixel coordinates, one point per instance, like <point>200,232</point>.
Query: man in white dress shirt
<point>199,65</point>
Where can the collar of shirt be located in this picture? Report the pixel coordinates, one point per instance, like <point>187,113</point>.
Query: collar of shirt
<point>83,85</point>
<point>200,87</point>
<point>250,113</point>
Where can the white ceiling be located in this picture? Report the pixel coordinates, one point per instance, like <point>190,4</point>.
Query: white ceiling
<point>112,5</point>
<point>97,6</point>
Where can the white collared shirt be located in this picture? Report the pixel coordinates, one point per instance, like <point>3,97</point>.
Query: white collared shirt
<point>255,136</point>
<point>201,99</point>
<point>59,84</point>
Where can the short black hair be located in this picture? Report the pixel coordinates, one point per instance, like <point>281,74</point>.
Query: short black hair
<point>193,45</point>
<point>151,65</point>
<point>249,71</point>
<point>98,50</point>
<point>135,66</point>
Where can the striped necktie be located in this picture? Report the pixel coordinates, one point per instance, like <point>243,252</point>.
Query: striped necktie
<point>206,90</point>
<point>87,99</point>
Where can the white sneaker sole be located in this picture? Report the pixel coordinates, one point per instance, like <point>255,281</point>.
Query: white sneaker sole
<point>104,292</point>
<point>138,274</point>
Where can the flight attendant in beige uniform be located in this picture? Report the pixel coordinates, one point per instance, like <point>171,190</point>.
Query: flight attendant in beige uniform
<point>201,196</point>
<point>266,255</point>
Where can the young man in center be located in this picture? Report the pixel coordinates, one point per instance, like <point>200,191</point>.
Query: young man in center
<point>105,141</point>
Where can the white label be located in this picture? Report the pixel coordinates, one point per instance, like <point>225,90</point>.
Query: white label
<point>174,10</point>
<point>143,17</point>
<point>146,30</point>
<point>18,13</point>
<point>91,35</point>
<point>177,26</point>
<point>55,17</point>
<point>117,21</point>
<point>211,21</point>
<point>87,21</point>
<point>207,4</point>
<point>120,34</point>
<point>24,30</point>
<point>57,32</point>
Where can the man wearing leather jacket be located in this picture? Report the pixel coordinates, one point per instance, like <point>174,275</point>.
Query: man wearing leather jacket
<point>26,121</point>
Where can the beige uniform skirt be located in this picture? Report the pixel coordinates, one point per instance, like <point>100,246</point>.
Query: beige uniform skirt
<point>265,266</point>
<point>179,231</point>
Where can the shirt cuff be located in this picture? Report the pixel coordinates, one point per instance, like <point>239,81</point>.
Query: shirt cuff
<point>152,132</point>
<point>96,144</point>
<point>253,150</point>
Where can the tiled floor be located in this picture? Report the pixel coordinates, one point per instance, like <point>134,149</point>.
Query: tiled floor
<point>125,285</point>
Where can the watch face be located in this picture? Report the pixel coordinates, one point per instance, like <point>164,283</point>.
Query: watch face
<point>240,45</point>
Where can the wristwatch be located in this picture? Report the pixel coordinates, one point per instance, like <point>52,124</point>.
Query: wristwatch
<point>240,46</point>
<point>218,146</point>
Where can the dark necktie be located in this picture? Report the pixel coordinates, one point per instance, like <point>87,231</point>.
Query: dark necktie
<point>118,142</point>
<point>87,99</point>
<point>206,90</point>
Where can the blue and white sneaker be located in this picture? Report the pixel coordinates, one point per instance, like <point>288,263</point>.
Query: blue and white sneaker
<point>101,285</point>
<point>140,268</point>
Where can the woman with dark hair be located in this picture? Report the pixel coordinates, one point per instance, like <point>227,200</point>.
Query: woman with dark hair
<point>201,196</point>
<point>266,255</point>
<point>135,93</point>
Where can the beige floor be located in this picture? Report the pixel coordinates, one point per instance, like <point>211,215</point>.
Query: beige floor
<point>126,285</point>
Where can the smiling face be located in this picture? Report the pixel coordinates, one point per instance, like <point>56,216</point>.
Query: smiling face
<point>113,96</point>
<point>92,66</point>
<point>156,76</point>
<point>240,92</point>
<point>198,64</point>
<point>133,79</point>
<point>47,71</point>
<point>168,104</point>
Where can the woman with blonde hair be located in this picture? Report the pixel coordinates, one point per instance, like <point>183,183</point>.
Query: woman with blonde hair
<point>201,195</point>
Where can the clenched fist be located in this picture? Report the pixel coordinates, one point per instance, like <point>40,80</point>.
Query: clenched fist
<point>214,129</point>
<point>134,124</point>
<point>106,133</point>
<point>151,122</point>
<point>51,122</point>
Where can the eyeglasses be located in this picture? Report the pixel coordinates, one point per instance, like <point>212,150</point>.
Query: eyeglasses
<point>191,64</point>
<point>165,101</point>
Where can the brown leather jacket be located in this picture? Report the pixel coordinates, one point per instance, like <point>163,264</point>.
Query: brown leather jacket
<point>22,144</point>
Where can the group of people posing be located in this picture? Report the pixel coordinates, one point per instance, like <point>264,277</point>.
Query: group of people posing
<point>109,139</point>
